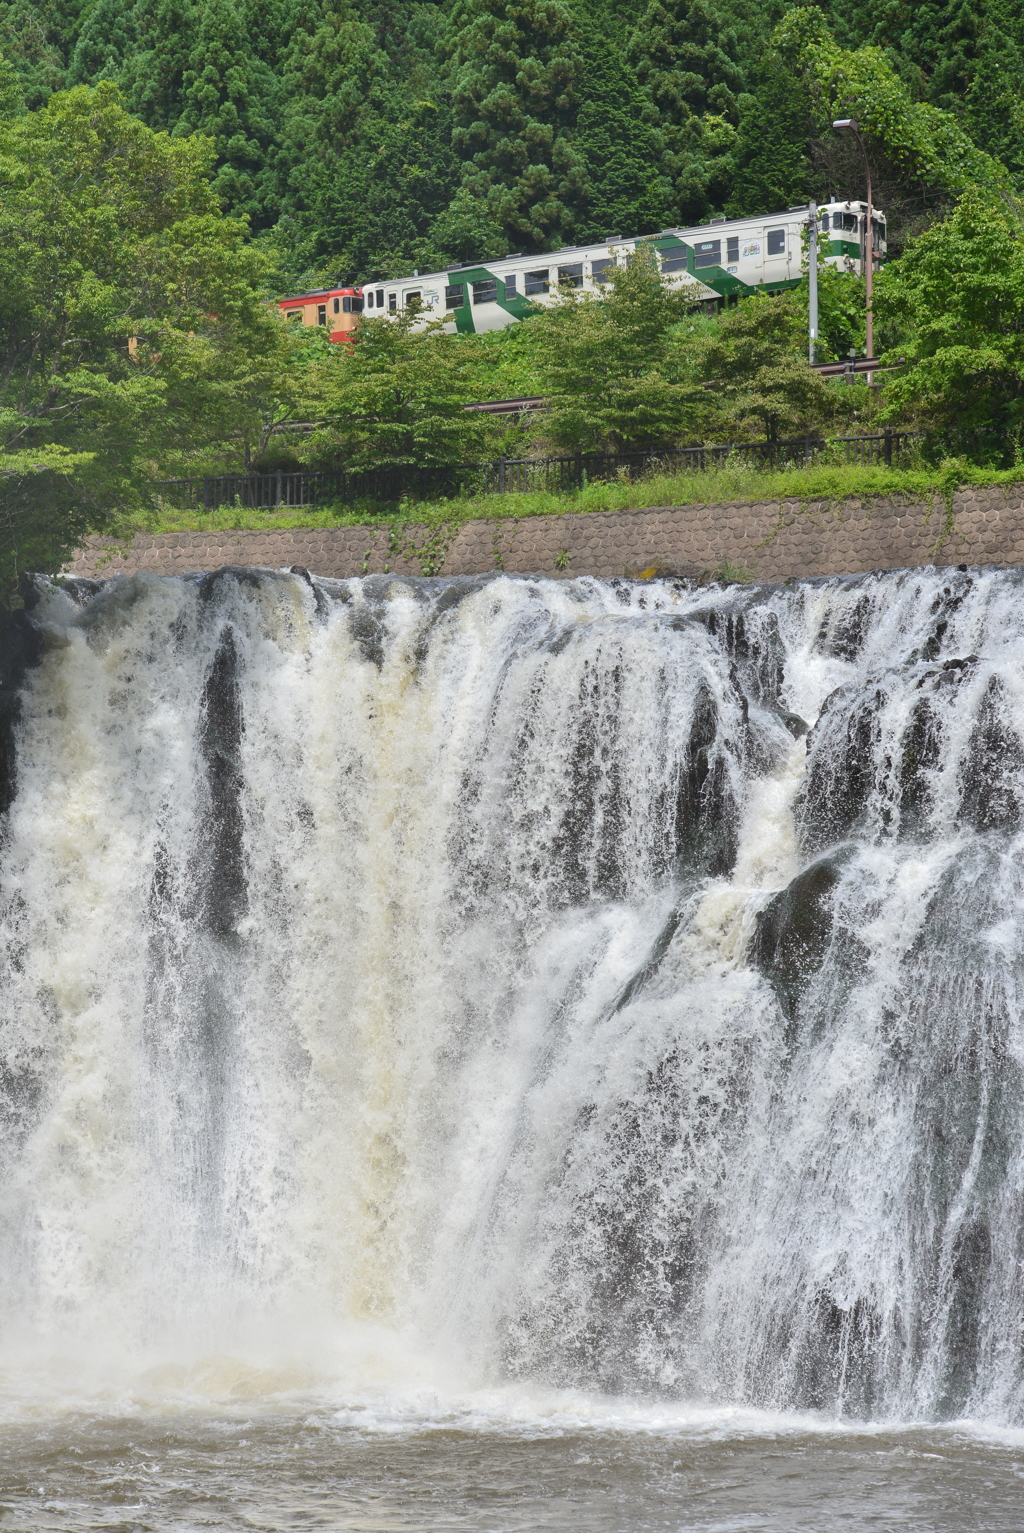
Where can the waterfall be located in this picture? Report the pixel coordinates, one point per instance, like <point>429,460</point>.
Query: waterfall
<point>609,985</point>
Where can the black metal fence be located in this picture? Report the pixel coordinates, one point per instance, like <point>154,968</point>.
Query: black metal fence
<point>315,487</point>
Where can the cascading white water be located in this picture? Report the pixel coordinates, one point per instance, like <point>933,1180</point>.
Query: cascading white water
<point>499,966</point>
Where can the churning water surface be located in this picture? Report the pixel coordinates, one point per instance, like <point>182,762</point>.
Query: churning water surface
<point>506,1054</point>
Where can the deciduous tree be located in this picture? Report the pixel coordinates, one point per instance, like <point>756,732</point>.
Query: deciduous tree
<point>754,366</point>
<point>397,397</point>
<point>954,309</point>
<point>129,312</point>
<point>609,366</point>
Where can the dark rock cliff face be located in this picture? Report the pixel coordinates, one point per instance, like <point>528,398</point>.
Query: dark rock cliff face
<point>706,817</point>
<point>857,758</point>
<point>21,648</point>
<point>794,930</point>
<point>991,774</point>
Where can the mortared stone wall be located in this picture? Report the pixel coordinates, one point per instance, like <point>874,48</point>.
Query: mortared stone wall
<point>770,539</point>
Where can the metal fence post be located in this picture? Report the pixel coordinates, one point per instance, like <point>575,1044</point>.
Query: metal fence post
<point>579,470</point>
<point>887,450</point>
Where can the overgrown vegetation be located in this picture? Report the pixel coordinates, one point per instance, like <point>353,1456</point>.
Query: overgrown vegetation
<point>167,165</point>
<point>832,484</point>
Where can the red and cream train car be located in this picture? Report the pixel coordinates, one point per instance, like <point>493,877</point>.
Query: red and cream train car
<point>337,308</point>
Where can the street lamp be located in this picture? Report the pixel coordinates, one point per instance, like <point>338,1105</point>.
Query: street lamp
<point>812,278</point>
<point>850,125</point>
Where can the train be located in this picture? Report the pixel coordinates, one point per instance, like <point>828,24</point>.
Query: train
<point>724,259</point>
<point>337,308</point>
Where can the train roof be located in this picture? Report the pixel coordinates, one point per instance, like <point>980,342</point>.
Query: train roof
<point>319,292</point>
<point>687,235</point>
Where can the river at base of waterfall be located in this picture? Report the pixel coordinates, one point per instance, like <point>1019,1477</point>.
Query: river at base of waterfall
<point>165,1457</point>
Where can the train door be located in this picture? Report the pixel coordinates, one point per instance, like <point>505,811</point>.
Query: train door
<point>776,240</point>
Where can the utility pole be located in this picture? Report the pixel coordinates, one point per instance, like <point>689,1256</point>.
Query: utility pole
<point>850,125</point>
<point>812,278</point>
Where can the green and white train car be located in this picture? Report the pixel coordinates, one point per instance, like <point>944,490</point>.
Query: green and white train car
<point>725,258</point>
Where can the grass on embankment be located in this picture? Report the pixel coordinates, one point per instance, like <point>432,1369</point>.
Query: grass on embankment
<point>833,483</point>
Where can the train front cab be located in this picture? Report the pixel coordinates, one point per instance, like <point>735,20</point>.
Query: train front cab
<point>335,308</point>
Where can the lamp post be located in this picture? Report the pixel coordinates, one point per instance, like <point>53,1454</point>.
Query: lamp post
<point>850,125</point>
<point>812,278</point>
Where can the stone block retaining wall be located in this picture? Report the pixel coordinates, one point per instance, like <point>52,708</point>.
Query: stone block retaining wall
<point>773,540</point>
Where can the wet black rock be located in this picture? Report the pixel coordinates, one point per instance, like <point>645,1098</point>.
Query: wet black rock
<point>794,930</point>
<point>850,759</point>
<point>945,605</point>
<point>840,768</point>
<point>751,639</point>
<point>846,626</point>
<point>991,776</point>
<point>706,817</point>
<point>21,648</point>
<point>223,876</point>
<point>792,722</point>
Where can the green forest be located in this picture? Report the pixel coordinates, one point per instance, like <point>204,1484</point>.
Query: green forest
<point>167,167</point>
<point>362,141</point>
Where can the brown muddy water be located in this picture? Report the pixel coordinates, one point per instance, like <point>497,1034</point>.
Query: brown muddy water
<point>489,1467</point>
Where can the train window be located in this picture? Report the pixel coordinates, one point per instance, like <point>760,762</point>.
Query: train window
<point>357,306</point>
<point>571,276</point>
<point>674,259</point>
<point>453,296</point>
<point>537,282</point>
<point>321,314</point>
<point>824,223</point>
<point>392,303</point>
<point>380,298</point>
<point>732,249</point>
<point>776,242</point>
<point>412,299</point>
<point>486,291</point>
<point>511,286</point>
<point>707,253</point>
<point>599,268</point>
<point>346,305</point>
<point>848,221</point>
<point>337,306</point>
<point>295,316</point>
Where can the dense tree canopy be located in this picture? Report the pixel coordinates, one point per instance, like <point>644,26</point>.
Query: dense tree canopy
<point>397,399</point>
<point>407,133</point>
<point>514,73</point>
<point>132,334</point>
<point>953,309</point>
